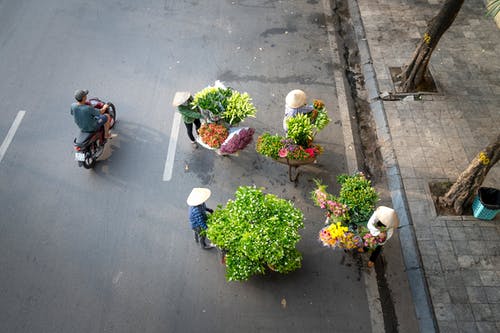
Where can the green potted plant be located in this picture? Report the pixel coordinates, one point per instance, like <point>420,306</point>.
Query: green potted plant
<point>256,231</point>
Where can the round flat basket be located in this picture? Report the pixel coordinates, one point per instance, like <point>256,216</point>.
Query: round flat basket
<point>290,162</point>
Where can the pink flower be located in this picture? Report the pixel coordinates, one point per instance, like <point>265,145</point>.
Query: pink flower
<point>283,152</point>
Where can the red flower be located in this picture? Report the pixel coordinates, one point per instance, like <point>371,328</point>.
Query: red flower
<point>310,151</point>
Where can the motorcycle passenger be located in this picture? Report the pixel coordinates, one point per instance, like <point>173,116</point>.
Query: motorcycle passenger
<point>88,118</point>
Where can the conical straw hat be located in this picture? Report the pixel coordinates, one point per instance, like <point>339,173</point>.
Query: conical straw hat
<point>198,196</point>
<point>387,216</point>
<point>296,98</point>
<point>180,97</point>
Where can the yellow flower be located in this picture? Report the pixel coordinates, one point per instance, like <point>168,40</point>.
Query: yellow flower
<point>483,158</point>
<point>427,38</point>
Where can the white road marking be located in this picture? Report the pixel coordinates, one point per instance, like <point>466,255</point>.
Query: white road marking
<point>10,134</point>
<point>117,277</point>
<point>174,133</point>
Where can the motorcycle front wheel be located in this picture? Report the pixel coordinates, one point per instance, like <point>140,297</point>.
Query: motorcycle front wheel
<point>112,112</point>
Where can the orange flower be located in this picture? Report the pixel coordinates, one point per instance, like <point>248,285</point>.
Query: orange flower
<point>213,134</point>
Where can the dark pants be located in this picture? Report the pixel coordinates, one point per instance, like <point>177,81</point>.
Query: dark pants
<point>199,236</point>
<point>375,253</point>
<point>189,128</point>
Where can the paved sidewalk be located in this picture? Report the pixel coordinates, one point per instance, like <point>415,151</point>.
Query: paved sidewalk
<point>434,140</point>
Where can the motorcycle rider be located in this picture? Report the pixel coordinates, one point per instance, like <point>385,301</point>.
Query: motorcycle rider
<point>88,118</point>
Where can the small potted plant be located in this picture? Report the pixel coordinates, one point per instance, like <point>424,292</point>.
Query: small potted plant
<point>256,231</point>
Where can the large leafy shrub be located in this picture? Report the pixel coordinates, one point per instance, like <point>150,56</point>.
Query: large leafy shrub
<point>256,230</point>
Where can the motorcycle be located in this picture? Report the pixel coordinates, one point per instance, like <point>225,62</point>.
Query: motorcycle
<point>89,146</point>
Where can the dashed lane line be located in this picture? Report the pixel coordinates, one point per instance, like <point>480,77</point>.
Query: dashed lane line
<point>10,134</point>
<point>174,133</point>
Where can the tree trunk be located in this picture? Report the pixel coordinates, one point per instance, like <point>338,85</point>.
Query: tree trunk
<point>414,74</point>
<point>465,188</point>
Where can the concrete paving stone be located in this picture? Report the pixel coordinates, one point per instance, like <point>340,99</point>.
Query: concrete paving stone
<point>462,311</point>
<point>490,233</point>
<point>486,327</point>
<point>432,264</point>
<point>493,294</point>
<point>460,296</point>
<point>440,295</point>
<point>412,184</point>
<point>492,248</point>
<point>444,312</point>
<point>440,232</point>
<point>427,247</point>
<point>482,312</point>
<point>407,172</point>
<point>495,307</point>
<point>462,248</point>
<point>468,261</point>
<point>423,233</point>
<point>471,278</point>
<point>478,247</point>
<point>472,230</point>
<point>456,233</point>
<point>467,327</point>
<point>488,262</point>
<point>453,278</point>
<point>439,222</point>
<point>447,326</point>
<point>444,246</point>
<point>489,278</point>
<point>423,172</point>
<point>452,221</point>
<point>420,210</point>
<point>476,294</point>
<point>436,281</point>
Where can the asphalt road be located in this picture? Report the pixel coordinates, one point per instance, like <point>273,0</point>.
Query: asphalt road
<point>110,250</point>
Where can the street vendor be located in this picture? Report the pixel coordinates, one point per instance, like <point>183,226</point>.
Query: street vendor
<point>382,224</point>
<point>198,215</point>
<point>295,103</point>
<point>182,100</point>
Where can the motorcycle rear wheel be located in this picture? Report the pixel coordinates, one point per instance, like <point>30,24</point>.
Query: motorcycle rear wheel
<point>90,161</point>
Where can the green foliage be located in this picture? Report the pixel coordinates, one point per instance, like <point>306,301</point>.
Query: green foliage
<point>239,106</point>
<point>300,130</point>
<point>493,8</point>
<point>256,230</point>
<point>360,197</point>
<point>269,145</point>
<point>213,99</point>
<point>322,119</point>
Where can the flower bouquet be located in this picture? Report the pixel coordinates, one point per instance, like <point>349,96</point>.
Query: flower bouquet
<point>238,139</point>
<point>212,135</point>
<point>297,144</point>
<point>348,213</point>
<point>223,107</point>
<point>219,103</point>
